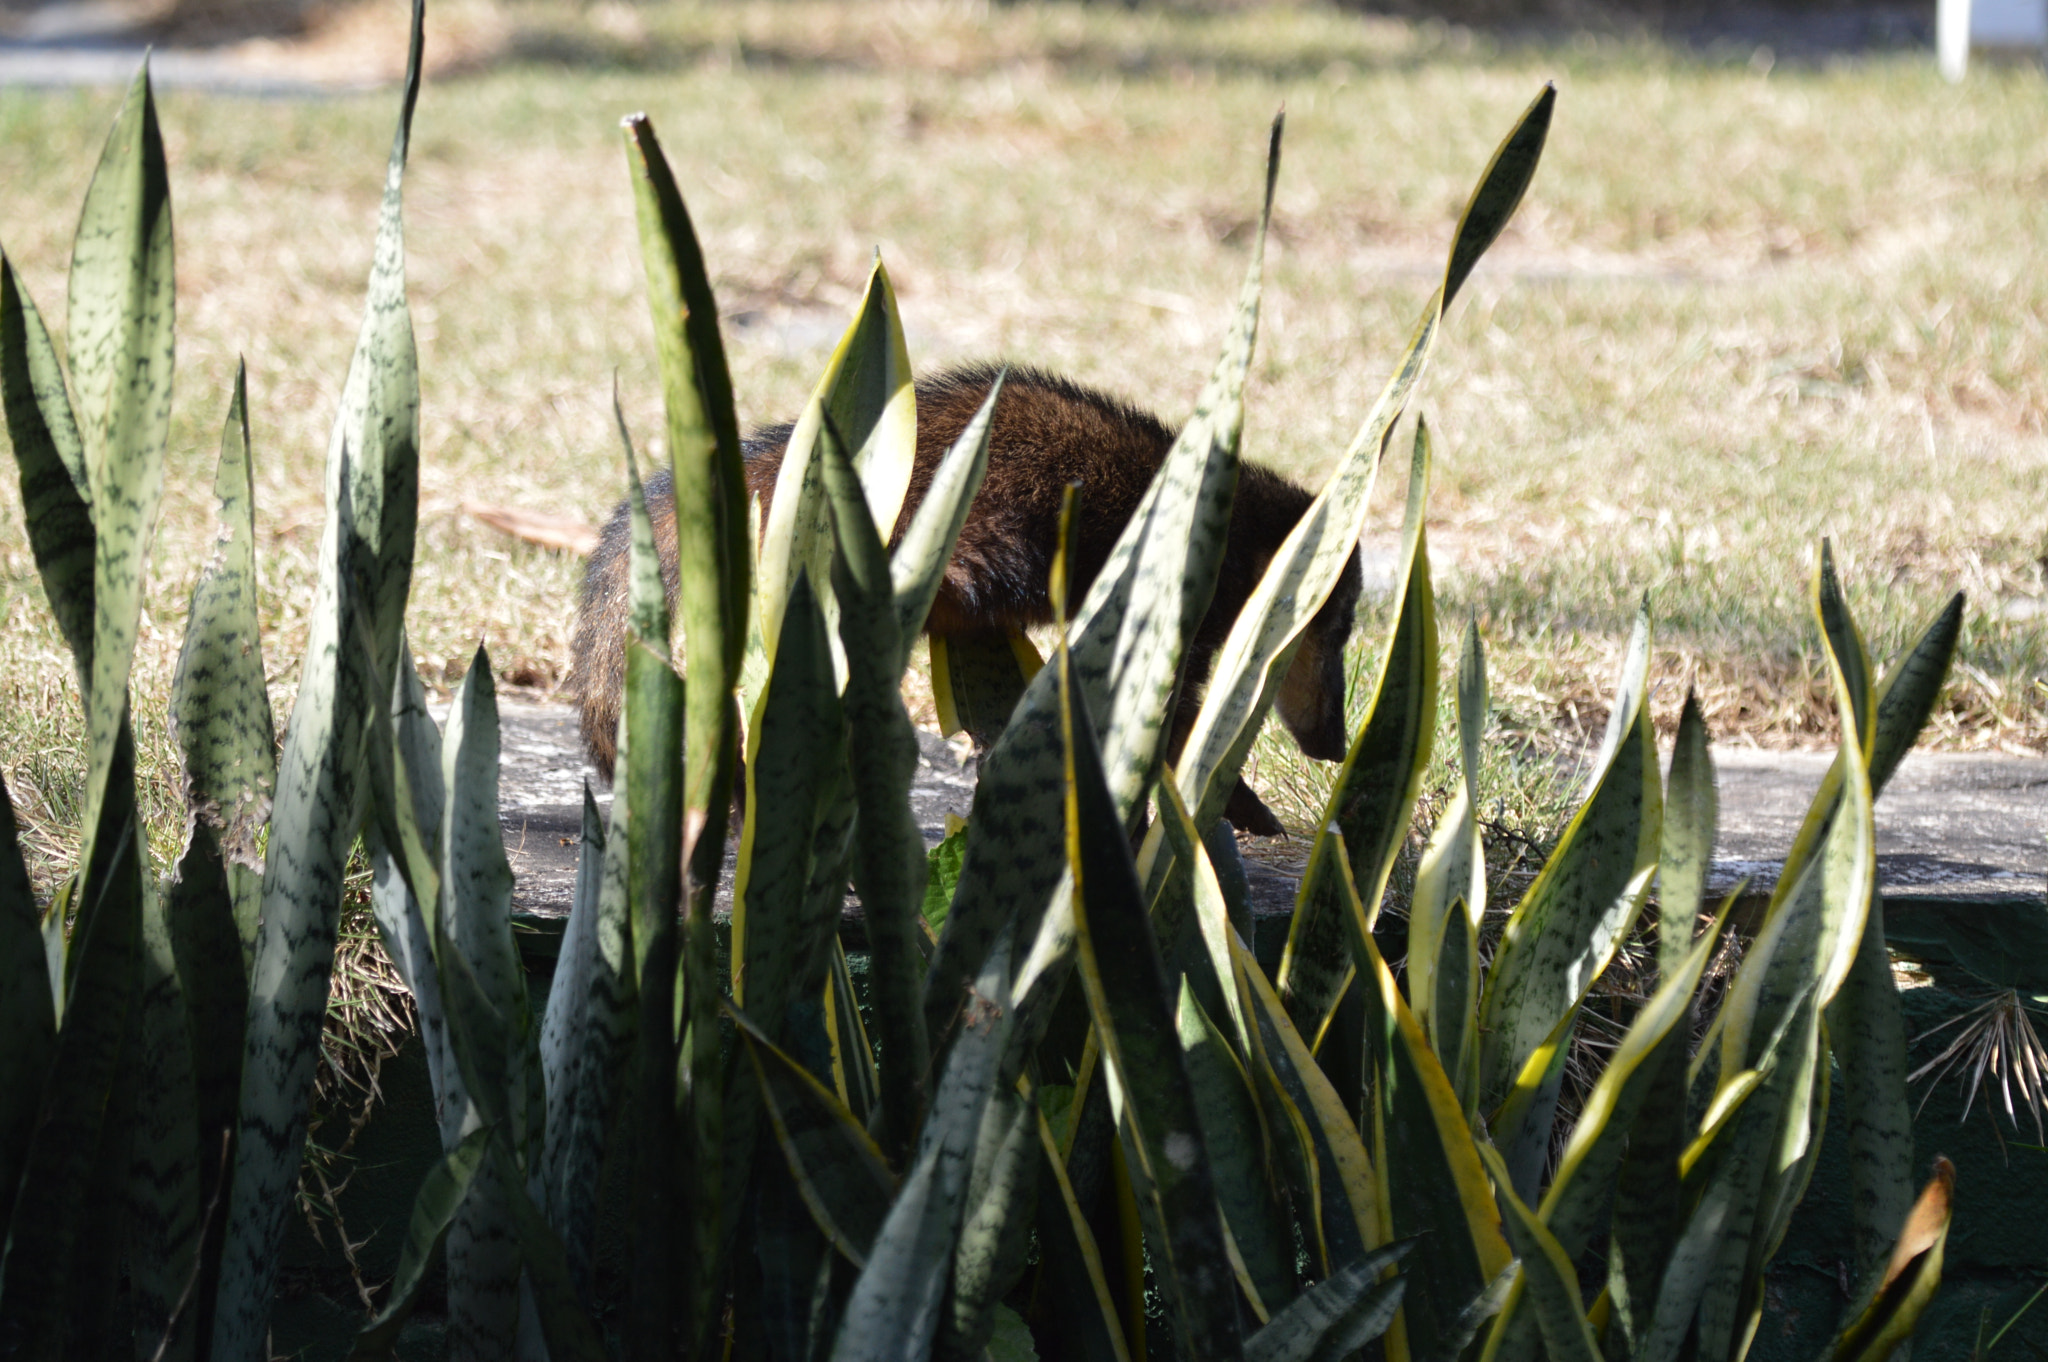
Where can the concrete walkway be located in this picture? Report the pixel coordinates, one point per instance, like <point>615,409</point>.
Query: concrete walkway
<point>1954,830</point>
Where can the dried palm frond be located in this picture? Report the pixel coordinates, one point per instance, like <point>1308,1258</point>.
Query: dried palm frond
<point>1998,1041</point>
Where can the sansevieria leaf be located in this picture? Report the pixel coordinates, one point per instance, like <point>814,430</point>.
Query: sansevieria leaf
<point>1566,928</point>
<point>50,459</point>
<point>1308,564</point>
<point>1128,997</point>
<point>1375,792</point>
<point>1127,639</point>
<point>365,569</point>
<point>866,393</point>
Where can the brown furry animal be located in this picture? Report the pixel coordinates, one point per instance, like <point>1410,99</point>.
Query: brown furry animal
<point>1047,432</point>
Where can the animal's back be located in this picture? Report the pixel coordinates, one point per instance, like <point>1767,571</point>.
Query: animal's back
<point>1046,433</point>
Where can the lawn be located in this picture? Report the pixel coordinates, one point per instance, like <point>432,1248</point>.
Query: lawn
<point>1746,305</point>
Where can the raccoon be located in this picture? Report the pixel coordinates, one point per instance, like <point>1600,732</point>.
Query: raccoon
<point>1046,433</point>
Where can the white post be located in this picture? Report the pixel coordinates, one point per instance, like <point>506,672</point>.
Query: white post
<point>1952,38</point>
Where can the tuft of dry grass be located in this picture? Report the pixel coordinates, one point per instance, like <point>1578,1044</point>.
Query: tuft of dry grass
<point>1740,309</point>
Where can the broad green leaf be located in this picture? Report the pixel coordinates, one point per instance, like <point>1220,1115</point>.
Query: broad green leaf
<point>1071,1265</point>
<point>1369,809</point>
<point>1211,913</point>
<point>1128,640</point>
<point>978,678</point>
<point>866,393</point>
<point>566,1327</point>
<point>1521,1124</point>
<point>365,565</point>
<point>1562,934</point>
<point>1905,698</point>
<point>995,1230</point>
<point>1910,1280</point>
<point>1430,1180</point>
<point>28,1022</point>
<point>714,560</point>
<point>1577,1206</point>
<point>220,707</point>
<point>943,877</point>
<point>839,1171</point>
<point>1351,1202</point>
<point>1500,190</point>
<point>918,565</point>
<point>797,771</point>
<point>1236,1140</point>
<point>404,842</point>
<point>1450,894</point>
<point>853,1058</point>
<point>1868,1036</point>
<point>652,753</point>
<point>48,456</point>
<point>441,1194</point>
<point>1314,555</point>
<point>1130,1000</point>
<point>119,334</point>
<point>51,1225</point>
<point>493,1033</point>
<point>1691,809</point>
<point>163,1185</point>
<point>893,1311</point>
<point>585,1041</point>
<point>1337,1317</point>
<point>889,857</point>
<point>1814,925</point>
<point>1011,1340</point>
<point>1582,1187</point>
<point>1553,1284</point>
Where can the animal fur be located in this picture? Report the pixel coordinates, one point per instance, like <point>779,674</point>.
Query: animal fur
<point>1046,433</point>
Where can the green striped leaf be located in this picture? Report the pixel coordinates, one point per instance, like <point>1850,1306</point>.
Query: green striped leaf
<point>1691,810</point>
<point>1127,640</point>
<point>119,334</point>
<point>1910,1279</point>
<point>995,1229</point>
<point>50,459</point>
<point>978,678</point>
<point>918,565</point>
<point>566,1328</point>
<point>650,754</point>
<point>839,1171</point>
<point>585,1040</point>
<point>866,393</point>
<point>1337,1317</point>
<point>1376,787</point>
<point>1577,1206</point>
<point>1430,1181</point>
<point>1553,1283</point>
<point>1868,1036</point>
<point>441,1194</point>
<point>493,1031</point>
<point>1129,999</point>
<point>889,865</point>
<point>893,1311</point>
<point>1235,1137</point>
<point>165,1154</point>
<point>1349,1205</point>
<point>1450,896</point>
<point>714,561</point>
<point>1310,561</point>
<point>366,566</point>
<point>1081,1313</point>
<point>220,707</point>
<point>1565,930</point>
<point>47,1255</point>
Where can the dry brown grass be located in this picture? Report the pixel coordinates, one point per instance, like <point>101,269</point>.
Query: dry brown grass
<point>1738,311</point>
